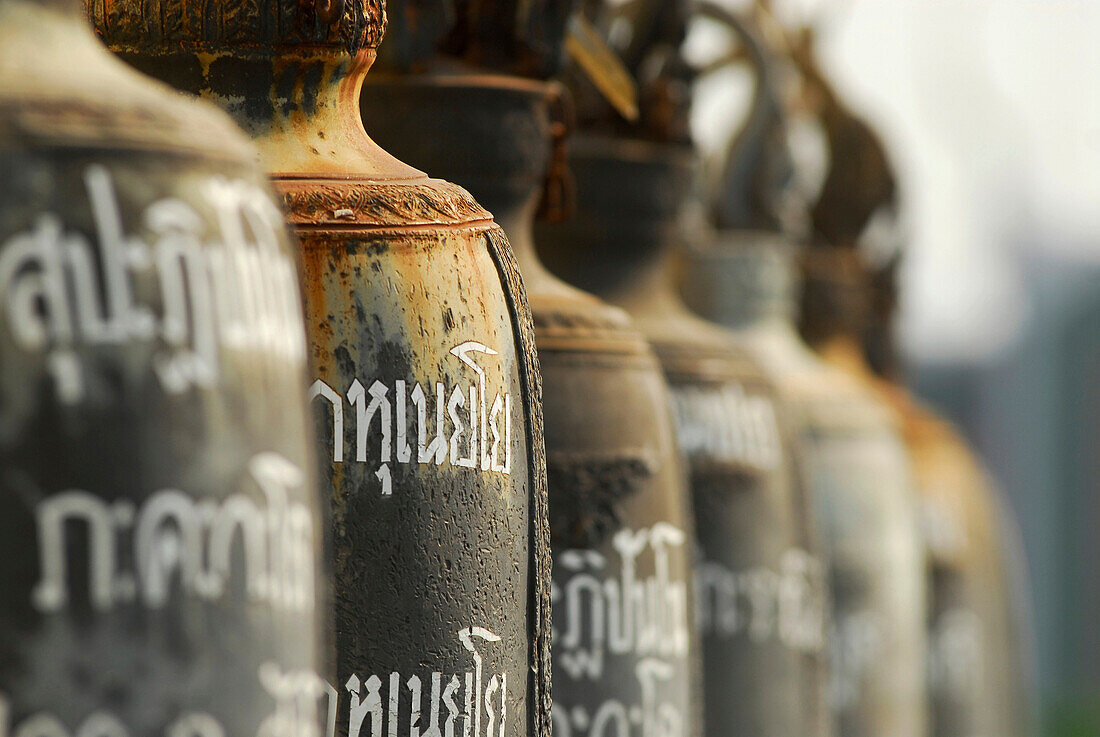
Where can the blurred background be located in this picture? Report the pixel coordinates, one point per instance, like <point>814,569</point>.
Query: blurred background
<point>991,112</point>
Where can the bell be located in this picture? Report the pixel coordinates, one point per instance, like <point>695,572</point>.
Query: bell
<point>622,534</point>
<point>977,667</point>
<point>854,463</point>
<point>621,529</point>
<point>857,473</point>
<point>425,383</point>
<point>760,598</point>
<point>759,579</point>
<point>160,525</point>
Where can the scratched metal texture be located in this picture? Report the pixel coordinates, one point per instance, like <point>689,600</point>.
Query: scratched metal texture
<point>615,475</point>
<point>68,113</point>
<point>450,547</point>
<point>441,561</point>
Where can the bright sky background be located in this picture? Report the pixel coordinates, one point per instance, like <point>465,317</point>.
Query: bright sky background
<point>991,109</point>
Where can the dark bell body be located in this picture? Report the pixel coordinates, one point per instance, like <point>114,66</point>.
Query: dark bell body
<point>859,477</point>
<point>759,583</point>
<point>424,385</point>
<point>160,527</point>
<point>622,532</point>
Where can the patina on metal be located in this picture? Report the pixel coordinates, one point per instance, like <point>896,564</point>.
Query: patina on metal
<point>160,526</point>
<point>853,461</point>
<point>425,382</point>
<point>622,531</point>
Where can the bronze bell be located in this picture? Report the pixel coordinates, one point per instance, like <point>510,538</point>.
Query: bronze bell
<point>976,681</point>
<point>854,463</point>
<point>621,528</point>
<point>759,580</point>
<point>160,525</point>
<point>622,532</point>
<point>977,626</point>
<point>879,587</point>
<point>977,669</point>
<point>760,599</point>
<point>856,471</point>
<point>425,380</point>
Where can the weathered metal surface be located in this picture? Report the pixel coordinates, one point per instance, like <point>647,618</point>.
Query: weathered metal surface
<point>432,501</point>
<point>759,583</point>
<point>622,532</point>
<point>859,476</point>
<point>160,526</point>
<point>252,29</point>
<point>426,389</point>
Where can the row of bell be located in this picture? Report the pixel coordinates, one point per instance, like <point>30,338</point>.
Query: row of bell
<point>726,528</point>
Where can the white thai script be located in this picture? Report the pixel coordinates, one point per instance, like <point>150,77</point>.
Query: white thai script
<point>595,615</point>
<point>724,423</point>
<point>178,541</point>
<point>236,287</point>
<point>787,604</point>
<point>471,703</point>
<point>456,425</point>
<point>655,716</point>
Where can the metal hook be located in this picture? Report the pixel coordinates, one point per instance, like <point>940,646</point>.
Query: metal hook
<point>559,194</point>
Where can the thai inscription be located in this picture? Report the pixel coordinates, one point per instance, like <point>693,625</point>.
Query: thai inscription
<point>725,423</point>
<point>437,424</point>
<point>304,706</point>
<point>232,286</point>
<point>644,617</point>
<point>178,541</point>
<point>653,716</point>
<point>762,604</point>
<point>470,703</point>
